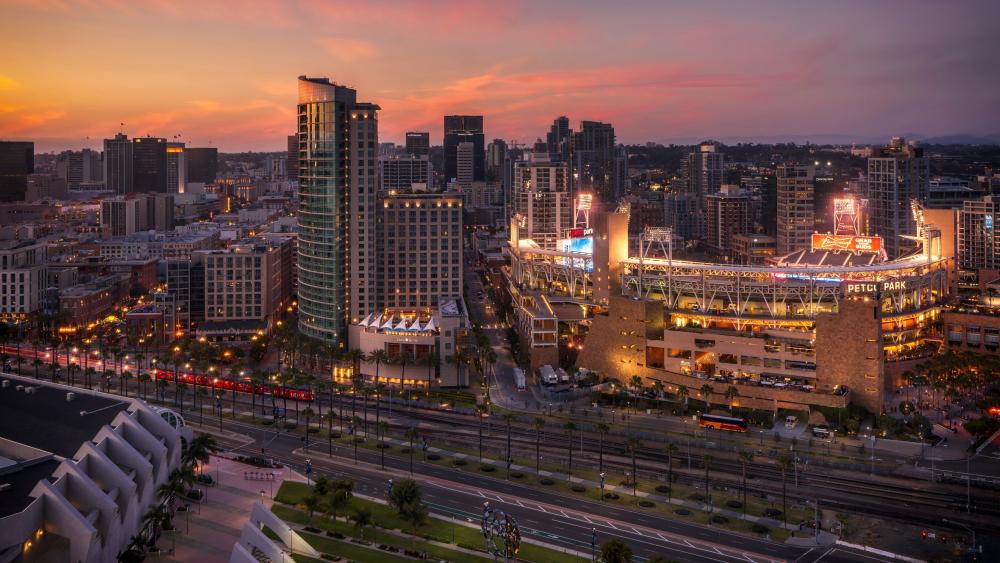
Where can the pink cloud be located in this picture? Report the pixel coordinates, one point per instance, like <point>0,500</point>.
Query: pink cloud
<point>348,50</point>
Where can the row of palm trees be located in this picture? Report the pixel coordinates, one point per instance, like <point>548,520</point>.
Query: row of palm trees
<point>159,517</point>
<point>951,374</point>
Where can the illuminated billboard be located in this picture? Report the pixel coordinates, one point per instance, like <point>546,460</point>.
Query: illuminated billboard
<point>846,215</point>
<point>846,243</point>
<point>582,245</point>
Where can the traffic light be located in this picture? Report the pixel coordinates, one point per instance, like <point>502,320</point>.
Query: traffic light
<point>924,534</point>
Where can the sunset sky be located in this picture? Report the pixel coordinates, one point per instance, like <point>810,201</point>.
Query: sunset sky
<point>223,73</point>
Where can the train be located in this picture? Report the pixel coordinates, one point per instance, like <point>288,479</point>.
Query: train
<point>222,384</point>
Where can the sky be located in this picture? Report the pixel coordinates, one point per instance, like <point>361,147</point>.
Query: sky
<point>223,73</point>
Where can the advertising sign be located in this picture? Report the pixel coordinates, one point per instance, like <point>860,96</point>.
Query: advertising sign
<point>846,243</point>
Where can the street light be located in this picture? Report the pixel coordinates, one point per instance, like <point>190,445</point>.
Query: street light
<point>974,548</point>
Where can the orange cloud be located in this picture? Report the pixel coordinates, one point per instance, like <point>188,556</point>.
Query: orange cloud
<point>346,49</point>
<point>25,122</point>
<point>7,83</point>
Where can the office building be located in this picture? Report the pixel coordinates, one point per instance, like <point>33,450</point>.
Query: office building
<point>118,164</point>
<point>17,160</point>
<point>244,289</point>
<point>81,470</point>
<point>45,186</point>
<point>543,202</point>
<point>897,174</point>
<point>465,167</point>
<point>418,143</point>
<point>978,236</point>
<point>420,250</point>
<point>81,169</point>
<point>202,164</point>
<point>727,214</point>
<point>124,215</point>
<point>559,139</point>
<point>338,139</point>
<point>176,168</point>
<point>796,207</point>
<point>162,212</point>
<point>22,278</point>
<point>460,129</point>
<point>703,171</point>
<point>403,171</point>
<point>149,165</point>
<point>293,157</point>
<point>594,161</point>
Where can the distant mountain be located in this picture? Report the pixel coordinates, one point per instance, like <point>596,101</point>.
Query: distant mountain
<point>961,139</point>
<point>840,139</point>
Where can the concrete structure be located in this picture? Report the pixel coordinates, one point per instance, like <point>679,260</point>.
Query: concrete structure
<point>255,546</point>
<point>81,169</point>
<point>542,200</point>
<point>338,139</point>
<point>796,207</point>
<point>420,253</point>
<point>597,166</point>
<point>45,186</point>
<point>22,278</point>
<point>973,332</point>
<point>244,289</point>
<point>82,467</point>
<point>401,172</point>
<point>427,339</point>
<point>124,215</point>
<point>978,237</point>
<point>897,174</point>
<point>87,302</point>
<point>461,129</point>
<point>727,214</point>
<point>465,157</point>
<point>753,250</point>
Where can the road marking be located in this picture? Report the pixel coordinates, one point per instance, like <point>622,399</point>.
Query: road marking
<point>610,523</point>
<point>519,504</point>
<point>542,508</point>
<point>589,521</point>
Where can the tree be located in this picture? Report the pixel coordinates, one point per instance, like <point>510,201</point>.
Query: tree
<point>309,414</point>
<point>615,551</point>
<point>746,457</point>
<point>379,357</point>
<point>362,518</point>
<point>602,429</point>
<point>338,499</point>
<point>411,434</point>
<point>539,424</point>
<point>784,461</point>
<point>200,449</point>
<point>404,492</point>
<point>706,393</point>
<point>415,514</point>
<point>731,393</point>
<point>671,450</point>
<point>311,503</point>
<point>570,427</point>
<point>633,444</point>
<point>508,418</point>
<point>356,422</point>
<point>682,392</point>
<point>380,432</point>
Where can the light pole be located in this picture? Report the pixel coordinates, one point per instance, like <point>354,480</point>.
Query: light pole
<point>974,548</point>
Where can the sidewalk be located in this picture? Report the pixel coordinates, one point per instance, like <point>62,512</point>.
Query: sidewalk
<point>208,531</point>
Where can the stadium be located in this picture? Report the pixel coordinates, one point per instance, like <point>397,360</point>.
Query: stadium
<point>831,324</point>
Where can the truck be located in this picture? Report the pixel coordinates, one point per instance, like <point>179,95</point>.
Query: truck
<point>548,375</point>
<point>519,379</point>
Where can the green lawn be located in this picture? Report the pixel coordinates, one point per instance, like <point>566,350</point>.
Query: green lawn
<point>385,517</point>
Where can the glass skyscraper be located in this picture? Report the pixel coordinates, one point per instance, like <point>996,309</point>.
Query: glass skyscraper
<point>337,140</point>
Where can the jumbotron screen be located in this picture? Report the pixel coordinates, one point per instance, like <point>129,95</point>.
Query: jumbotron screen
<point>583,245</point>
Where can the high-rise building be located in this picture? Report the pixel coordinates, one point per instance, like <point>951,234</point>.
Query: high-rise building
<point>149,164</point>
<point>45,186</point>
<point>22,278</point>
<point>559,138</point>
<point>338,140</point>
<point>17,160</point>
<point>796,207</point>
<point>543,201</point>
<point>418,143</point>
<point>703,171</point>
<point>727,214</point>
<point>124,215</point>
<point>161,212</point>
<point>292,165</point>
<point>496,156</point>
<point>465,168</point>
<point>397,172</point>
<point>420,250</point>
<point>594,156</point>
<point>118,164</point>
<point>897,174</point>
<point>81,169</point>
<point>202,164</point>
<point>176,168</point>
<point>461,129</point>
<point>978,237</point>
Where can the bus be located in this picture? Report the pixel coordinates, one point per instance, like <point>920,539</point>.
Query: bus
<point>722,422</point>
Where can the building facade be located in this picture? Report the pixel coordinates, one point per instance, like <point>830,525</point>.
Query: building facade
<point>977,238</point>
<point>17,160</point>
<point>897,174</point>
<point>400,172</point>
<point>22,278</point>
<point>542,201</point>
<point>796,217</point>
<point>418,143</point>
<point>727,214</point>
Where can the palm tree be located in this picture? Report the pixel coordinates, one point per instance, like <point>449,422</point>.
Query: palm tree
<point>508,418</point>
<point>784,461</point>
<point>379,357</point>
<point>37,363</point>
<point>356,421</point>
<point>633,444</point>
<point>340,497</point>
<point>379,391</point>
<point>706,393</point>
<point>308,413</point>
<point>731,393</point>
<point>570,427</point>
<point>311,503</point>
<point>746,457</point>
<point>415,514</point>
<point>380,429</point>
<point>671,450</point>
<point>362,518</point>
<point>411,435</point>
<point>199,449</point>
<point>432,361</point>
<point>602,429</point>
<point>539,424</point>
<point>682,392</point>
<point>635,383</point>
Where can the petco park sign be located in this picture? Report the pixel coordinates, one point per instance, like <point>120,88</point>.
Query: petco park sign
<point>874,287</point>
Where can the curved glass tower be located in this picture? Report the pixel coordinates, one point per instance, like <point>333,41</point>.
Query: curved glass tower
<point>336,134</point>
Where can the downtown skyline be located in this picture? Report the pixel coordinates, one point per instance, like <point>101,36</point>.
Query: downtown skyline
<point>767,72</point>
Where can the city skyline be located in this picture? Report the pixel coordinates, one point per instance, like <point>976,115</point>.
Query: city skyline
<point>679,74</point>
